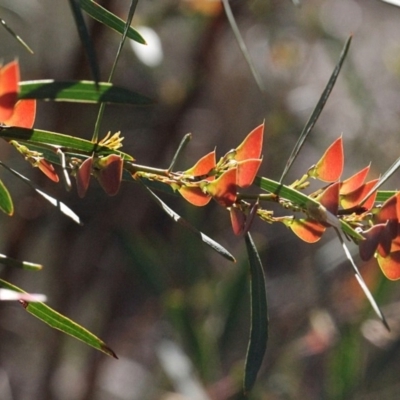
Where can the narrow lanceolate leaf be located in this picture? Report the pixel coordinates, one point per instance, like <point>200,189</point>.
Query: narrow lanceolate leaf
<point>81,92</point>
<point>259,317</point>
<point>361,281</point>
<point>12,262</point>
<point>177,218</point>
<point>68,143</point>
<point>85,38</point>
<point>60,322</point>
<point>16,37</point>
<point>107,18</point>
<point>392,169</point>
<point>242,45</point>
<point>6,204</point>
<point>299,199</point>
<point>56,203</point>
<point>317,110</point>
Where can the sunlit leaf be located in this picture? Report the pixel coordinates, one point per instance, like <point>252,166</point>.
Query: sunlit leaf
<point>259,317</point>
<point>60,322</point>
<point>17,37</point>
<point>56,203</point>
<point>12,262</point>
<point>107,18</point>
<point>69,143</point>
<point>80,91</point>
<point>300,199</point>
<point>361,281</point>
<point>384,177</point>
<point>177,218</point>
<point>317,110</point>
<point>242,45</point>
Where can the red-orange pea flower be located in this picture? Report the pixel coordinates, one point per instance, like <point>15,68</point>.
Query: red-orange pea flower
<point>14,112</point>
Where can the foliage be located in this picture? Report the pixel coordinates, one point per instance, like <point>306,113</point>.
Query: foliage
<point>353,206</point>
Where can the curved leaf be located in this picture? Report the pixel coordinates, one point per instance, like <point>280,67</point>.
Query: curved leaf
<point>259,317</point>
<point>80,91</point>
<point>100,14</point>
<point>6,203</point>
<point>60,322</point>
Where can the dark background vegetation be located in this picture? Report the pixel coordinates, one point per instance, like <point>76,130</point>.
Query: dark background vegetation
<point>177,314</point>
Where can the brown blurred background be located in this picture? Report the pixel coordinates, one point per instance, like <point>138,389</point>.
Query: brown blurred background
<point>176,313</point>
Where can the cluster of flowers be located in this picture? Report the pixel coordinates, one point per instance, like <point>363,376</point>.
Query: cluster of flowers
<point>351,200</point>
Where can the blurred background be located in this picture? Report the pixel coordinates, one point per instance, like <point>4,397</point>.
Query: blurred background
<point>175,312</point>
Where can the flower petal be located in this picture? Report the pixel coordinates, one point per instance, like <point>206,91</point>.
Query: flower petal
<point>354,182</point>
<point>24,114</point>
<point>48,170</point>
<point>330,167</point>
<point>367,247</point>
<point>251,147</point>
<point>110,174</point>
<point>83,176</point>
<point>308,230</point>
<point>194,195</point>
<point>353,199</point>
<point>330,198</point>
<point>9,78</point>
<point>223,189</point>
<point>247,171</point>
<point>390,265</point>
<point>203,166</point>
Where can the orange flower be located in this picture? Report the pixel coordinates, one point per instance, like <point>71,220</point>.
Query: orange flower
<point>238,168</point>
<point>14,112</point>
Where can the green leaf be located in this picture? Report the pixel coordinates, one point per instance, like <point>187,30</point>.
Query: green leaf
<point>60,322</point>
<point>383,195</point>
<point>80,91</point>
<point>299,199</point>
<point>16,37</point>
<point>362,283</point>
<point>6,203</point>
<point>259,317</point>
<point>85,38</point>
<point>107,18</point>
<point>100,114</point>
<point>69,144</point>
<point>317,110</point>
<point>242,45</point>
<point>207,240</point>
<point>56,203</point>
<point>12,262</point>
<point>384,177</point>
